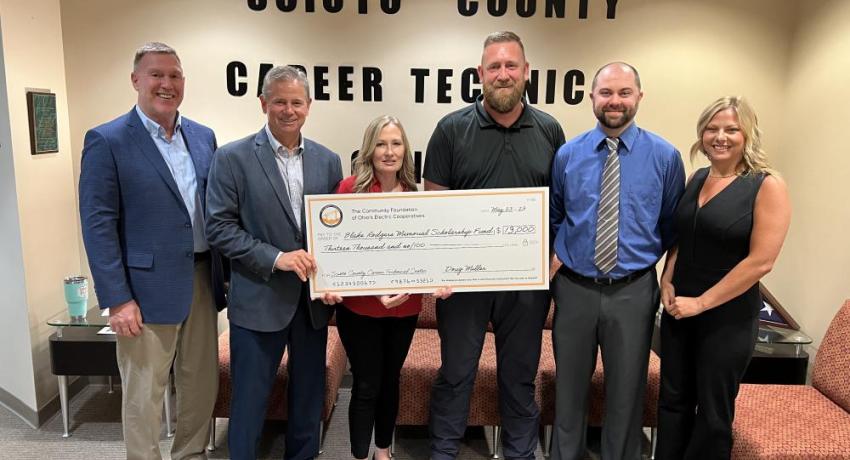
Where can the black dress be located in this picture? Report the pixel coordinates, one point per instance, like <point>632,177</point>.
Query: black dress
<point>703,358</point>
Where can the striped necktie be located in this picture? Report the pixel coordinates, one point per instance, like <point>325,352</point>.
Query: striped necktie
<point>608,216</point>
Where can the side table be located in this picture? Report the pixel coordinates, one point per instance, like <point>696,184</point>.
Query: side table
<point>779,357</point>
<point>76,348</point>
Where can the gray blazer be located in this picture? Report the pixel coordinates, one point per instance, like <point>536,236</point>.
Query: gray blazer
<point>249,219</point>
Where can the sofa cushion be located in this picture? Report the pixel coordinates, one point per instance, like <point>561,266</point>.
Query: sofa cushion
<point>831,373</point>
<point>277,410</point>
<point>788,422</point>
<point>428,315</point>
<point>550,318</point>
<point>544,385</point>
<point>420,370</point>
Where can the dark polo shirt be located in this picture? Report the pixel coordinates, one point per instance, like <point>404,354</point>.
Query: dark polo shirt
<point>468,150</point>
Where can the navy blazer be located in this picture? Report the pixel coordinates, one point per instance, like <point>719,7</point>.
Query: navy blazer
<point>136,229</point>
<point>250,219</point>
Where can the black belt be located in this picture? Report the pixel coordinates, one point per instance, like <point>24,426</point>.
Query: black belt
<point>603,281</point>
<point>202,256</point>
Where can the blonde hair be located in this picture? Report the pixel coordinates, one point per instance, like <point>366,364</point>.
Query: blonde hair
<point>153,48</point>
<point>364,171</point>
<point>754,158</point>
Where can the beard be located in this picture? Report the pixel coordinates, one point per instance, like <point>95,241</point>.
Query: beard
<point>627,115</point>
<point>503,101</point>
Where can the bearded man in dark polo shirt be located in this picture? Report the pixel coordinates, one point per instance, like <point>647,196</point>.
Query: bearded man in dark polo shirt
<point>497,142</point>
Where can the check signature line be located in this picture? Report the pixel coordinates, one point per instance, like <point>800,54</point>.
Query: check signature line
<point>454,280</point>
<point>466,272</point>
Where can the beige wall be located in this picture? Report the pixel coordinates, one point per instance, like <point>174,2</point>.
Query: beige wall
<point>33,53</point>
<point>16,381</point>
<point>812,278</point>
<point>684,63</point>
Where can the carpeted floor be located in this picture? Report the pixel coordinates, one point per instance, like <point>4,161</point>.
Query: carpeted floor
<point>96,435</point>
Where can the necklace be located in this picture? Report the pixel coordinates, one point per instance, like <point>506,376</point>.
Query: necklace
<point>721,176</point>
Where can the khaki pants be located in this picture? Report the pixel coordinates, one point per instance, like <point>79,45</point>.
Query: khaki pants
<point>145,362</point>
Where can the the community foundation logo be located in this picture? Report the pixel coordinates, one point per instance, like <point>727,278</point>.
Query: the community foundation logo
<point>330,216</point>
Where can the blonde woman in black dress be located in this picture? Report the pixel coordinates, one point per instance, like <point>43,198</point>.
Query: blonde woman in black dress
<point>731,221</point>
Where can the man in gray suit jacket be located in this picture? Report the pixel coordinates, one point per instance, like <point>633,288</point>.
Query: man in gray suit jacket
<point>256,218</point>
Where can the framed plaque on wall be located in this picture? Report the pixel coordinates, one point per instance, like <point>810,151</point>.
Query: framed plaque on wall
<point>41,110</point>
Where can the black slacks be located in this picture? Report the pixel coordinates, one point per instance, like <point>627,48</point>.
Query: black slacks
<point>376,348</point>
<point>517,318</point>
<point>703,360</point>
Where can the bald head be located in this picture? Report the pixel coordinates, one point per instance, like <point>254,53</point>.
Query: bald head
<point>616,68</point>
<point>616,96</point>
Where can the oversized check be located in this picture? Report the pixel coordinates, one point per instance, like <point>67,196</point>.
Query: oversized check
<point>469,240</point>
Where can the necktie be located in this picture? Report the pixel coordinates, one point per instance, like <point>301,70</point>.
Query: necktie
<point>608,217</point>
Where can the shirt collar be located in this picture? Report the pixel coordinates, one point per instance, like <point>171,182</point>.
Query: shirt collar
<point>154,128</point>
<point>277,145</point>
<point>627,138</point>
<point>486,121</point>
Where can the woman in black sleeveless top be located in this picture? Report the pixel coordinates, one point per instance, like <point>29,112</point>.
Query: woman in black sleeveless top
<point>731,221</point>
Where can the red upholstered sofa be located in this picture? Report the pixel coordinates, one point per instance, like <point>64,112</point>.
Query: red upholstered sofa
<point>335,366</point>
<point>780,422</point>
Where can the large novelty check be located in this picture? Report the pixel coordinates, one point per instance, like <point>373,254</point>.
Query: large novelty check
<point>469,240</point>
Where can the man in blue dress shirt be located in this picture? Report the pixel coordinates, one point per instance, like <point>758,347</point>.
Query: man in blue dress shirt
<point>613,196</point>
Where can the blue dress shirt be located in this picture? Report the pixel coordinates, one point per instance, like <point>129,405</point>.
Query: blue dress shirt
<point>652,179</point>
<point>179,161</point>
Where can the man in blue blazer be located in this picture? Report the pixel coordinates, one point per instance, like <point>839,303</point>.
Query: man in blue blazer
<point>142,191</point>
<point>256,218</point>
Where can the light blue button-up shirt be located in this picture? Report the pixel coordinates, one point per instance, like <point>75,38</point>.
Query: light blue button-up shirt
<point>176,156</point>
<point>291,167</point>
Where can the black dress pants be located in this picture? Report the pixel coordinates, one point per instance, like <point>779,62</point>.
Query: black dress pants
<point>376,348</point>
<point>517,318</point>
<point>703,359</point>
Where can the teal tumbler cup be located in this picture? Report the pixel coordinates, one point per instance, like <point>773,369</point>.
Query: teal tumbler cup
<point>77,296</point>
